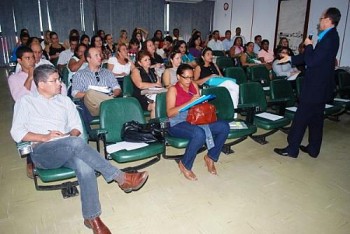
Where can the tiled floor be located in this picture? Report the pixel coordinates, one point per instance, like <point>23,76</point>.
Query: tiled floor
<point>256,191</point>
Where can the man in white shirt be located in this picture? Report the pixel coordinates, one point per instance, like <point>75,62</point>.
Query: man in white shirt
<point>257,43</point>
<point>238,34</point>
<point>227,42</point>
<point>51,122</point>
<point>66,55</point>
<point>215,43</point>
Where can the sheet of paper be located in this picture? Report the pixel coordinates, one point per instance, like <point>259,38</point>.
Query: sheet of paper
<point>60,137</point>
<point>293,77</point>
<point>124,145</point>
<point>328,106</point>
<point>102,89</point>
<point>269,116</point>
<point>237,125</point>
<point>293,108</point>
<point>266,88</point>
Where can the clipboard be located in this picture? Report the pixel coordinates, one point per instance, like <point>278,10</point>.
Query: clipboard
<point>198,101</point>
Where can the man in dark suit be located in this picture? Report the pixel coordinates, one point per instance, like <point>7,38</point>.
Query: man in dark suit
<point>317,87</point>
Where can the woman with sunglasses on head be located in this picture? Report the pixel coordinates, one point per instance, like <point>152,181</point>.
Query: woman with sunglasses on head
<point>213,135</point>
<point>144,77</point>
<point>207,72</point>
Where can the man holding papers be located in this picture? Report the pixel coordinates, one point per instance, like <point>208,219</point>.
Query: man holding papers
<point>85,82</point>
<point>317,87</point>
<point>47,115</point>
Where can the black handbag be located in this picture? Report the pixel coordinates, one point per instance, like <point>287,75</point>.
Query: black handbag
<point>134,131</point>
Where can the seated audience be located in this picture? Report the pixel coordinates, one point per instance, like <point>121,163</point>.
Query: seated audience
<point>283,69</point>
<point>96,42</point>
<point>195,46</point>
<point>72,33</point>
<point>185,56</point>
<point>237,50</point>
<point>227,42</point>
<point>284,42</point>
<point>159,50</point>
<point>265,52</point>
<point>134,48</point>
<point>55,48</point>
<point>144,77</point>
<point>257,43</point>
<point>158,36</point>
<point>101,33</point>
<point>43,118</point>
<point>85,39</point>
<point>120,64</point>
<point>156,61</point>
<point>213,135</point>
<point>66,55</point>
<point>169,75</point>
<point>94,75</point>
<point>207,70</point>
<point>215,43</point>
<point>176,35</point>
<point>110,44</point>
<point>77,62</point>
<point>22,83</point>
<point>140,34</point>
<point>168,45</point>
<point>38,57</point>
<point>249,58</point>
<point>46,42</point>
<point>123,37</point>
<point>238,34</point>
<point>24,38</point>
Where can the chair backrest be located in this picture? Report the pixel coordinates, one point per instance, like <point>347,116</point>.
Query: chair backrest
<point>253,93</point>
<point>343,79</point>
<point>258,73</point>
<point>160,110</point>
<point>65,75</point>
<point>281,88</point>
<point>237,73</point>
<point>224,62</point>
<point>218,53</point>
<point>222,102</point>
<point>115,112</point>
<point>128,87</point>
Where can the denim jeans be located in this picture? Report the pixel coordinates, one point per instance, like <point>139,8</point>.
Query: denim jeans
<point>196,136</point>
<point>75,153</point>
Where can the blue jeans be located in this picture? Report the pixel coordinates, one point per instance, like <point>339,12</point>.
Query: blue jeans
<point>196,136</point>
<point>75,153</point>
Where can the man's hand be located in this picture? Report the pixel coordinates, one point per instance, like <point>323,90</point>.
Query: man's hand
<point>307,42</point>
<point>52,134</point>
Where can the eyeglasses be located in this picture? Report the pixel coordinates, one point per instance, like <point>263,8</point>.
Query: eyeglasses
<point>97,76</point>
<point>59,80</point>
<point>187,77</point>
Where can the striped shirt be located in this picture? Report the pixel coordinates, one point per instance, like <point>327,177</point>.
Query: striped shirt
<point>83,78</point>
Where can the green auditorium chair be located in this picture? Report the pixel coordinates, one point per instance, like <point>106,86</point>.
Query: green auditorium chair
<point>224,62</point>
<point>225,111</point>
<point>237,73</point>
<point>252,95</point>
<point>113,114</point>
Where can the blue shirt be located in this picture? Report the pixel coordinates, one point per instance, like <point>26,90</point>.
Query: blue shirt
<point>321,35</point>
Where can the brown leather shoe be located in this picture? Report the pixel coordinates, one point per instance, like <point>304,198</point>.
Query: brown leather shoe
<point>134,181</point>
<point>187,173</point>
<point>210,165</point>
<point>30,167</point>
<point>97,226</point>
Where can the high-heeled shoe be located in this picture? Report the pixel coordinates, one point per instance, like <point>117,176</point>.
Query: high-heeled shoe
<point>187,173</point>
<point>210,165</point>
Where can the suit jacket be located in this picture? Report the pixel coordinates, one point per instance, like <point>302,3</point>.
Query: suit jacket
<point>318,84</point>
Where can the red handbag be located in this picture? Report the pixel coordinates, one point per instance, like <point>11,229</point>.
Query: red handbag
<point>204,113</point>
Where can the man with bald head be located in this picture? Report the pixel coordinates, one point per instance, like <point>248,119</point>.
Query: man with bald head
<point>93,75</point>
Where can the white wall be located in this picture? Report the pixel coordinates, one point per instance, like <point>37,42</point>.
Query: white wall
<point>259,17</point>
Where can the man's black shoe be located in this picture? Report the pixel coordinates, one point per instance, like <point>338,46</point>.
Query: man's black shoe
<point>283,152</point>
<point>305,150</point>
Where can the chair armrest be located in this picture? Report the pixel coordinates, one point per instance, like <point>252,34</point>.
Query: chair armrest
<point>250,109</point>
<point>24,148</point>
<point>281,103</point>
